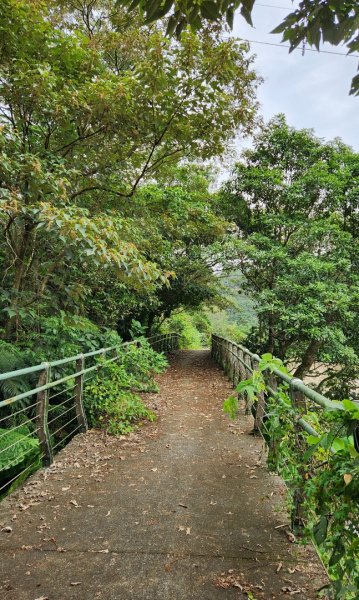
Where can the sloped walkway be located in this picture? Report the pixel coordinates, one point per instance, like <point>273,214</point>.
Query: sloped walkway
<point>183,509</point>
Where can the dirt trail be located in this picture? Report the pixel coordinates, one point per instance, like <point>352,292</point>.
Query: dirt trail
<point>183,509</point>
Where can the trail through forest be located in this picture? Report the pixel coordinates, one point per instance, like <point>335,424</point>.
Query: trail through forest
<point>183,508</point>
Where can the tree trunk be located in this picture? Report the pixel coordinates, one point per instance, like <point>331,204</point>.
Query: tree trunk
<point>269,347</point>
<point>12,323</point>
<point>308,359</point>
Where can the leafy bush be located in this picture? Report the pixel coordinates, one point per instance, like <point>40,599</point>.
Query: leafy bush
<point>109,399</point>
<point>12,359</point>
<point>194,328</point>
<point>111,408</point>
<point>63,335</point>
<point>140,363</point>
<point>18,451</point>
<point>321,472</point>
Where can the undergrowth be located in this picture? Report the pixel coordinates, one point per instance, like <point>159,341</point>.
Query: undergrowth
<point>321,472</point>
<point>110,398</point>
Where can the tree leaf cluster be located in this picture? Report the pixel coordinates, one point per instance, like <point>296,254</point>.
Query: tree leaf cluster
<point>294,200</point>
<point>313,23</point>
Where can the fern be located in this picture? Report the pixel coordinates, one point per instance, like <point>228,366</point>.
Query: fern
<point>11,359</point>
<point>19,457</point>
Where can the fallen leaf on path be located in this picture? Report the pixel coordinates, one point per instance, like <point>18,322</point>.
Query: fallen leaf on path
<point>291,536</point>
<point>186,529</point>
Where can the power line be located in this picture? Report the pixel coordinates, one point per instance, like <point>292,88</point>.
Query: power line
<point>273,6</point>
<point>306,49</point>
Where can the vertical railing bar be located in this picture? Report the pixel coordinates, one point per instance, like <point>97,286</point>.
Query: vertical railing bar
<point>79,391</point>
<point>260,406</point>
<point>42,408</point>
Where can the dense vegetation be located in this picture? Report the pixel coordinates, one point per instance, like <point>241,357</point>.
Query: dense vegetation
<point>320,467</point>
<point>107,224</point>
<point>112,225</point>
<point>295,202</point>
<point>92,105</point>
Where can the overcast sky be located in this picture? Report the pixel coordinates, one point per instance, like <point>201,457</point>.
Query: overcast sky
<point>311,90</point>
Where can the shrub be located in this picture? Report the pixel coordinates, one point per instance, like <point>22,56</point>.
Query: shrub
<point>194,329</point>
<point>109,399</point>
<point>18,452</point>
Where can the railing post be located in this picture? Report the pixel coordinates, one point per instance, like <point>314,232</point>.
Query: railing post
<point>79,391</point>
<point>242,369</point>
<point>230,361</point>
<point>228,364</point>
<point>42,409</point>
<point>236,374</point>
<point>298,402</point>
<point>261,403</point>
<point>271,381</point>
<point>298,398</point>
<point>248,362</point>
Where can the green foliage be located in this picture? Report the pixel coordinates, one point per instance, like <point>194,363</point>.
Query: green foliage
<point>295,200</point>
<point>61,336</point>
<point>11,359</point>
<point>236,314</point>
<point>310,22</point>
<point>184,236</point>
<point>91,109</point>
<point>193,327</point>
<point>109,398</point>
<point>110,407</point>
<point>323,469</point>
<point>140,363</point>
<point>18,452</point>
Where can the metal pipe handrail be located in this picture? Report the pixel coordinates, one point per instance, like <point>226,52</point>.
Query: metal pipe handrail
<point>293,382</point>
<point>42,407</point>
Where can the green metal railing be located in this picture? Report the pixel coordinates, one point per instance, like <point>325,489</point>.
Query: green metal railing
<point>41,419</point>
<point>165,342</point>
<point>239,363</point>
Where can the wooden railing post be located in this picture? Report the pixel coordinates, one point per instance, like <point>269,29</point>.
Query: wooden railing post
<point>42,409</point>
<point>79,391</point>
<point>261,403</point>
<point>228,359</point>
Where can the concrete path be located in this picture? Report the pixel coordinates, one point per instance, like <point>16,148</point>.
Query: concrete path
<point>183,509</point>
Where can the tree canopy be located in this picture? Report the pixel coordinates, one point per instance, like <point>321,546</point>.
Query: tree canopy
<point>295,201</point>
<point>93,104</point>
<point>333,21</point>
